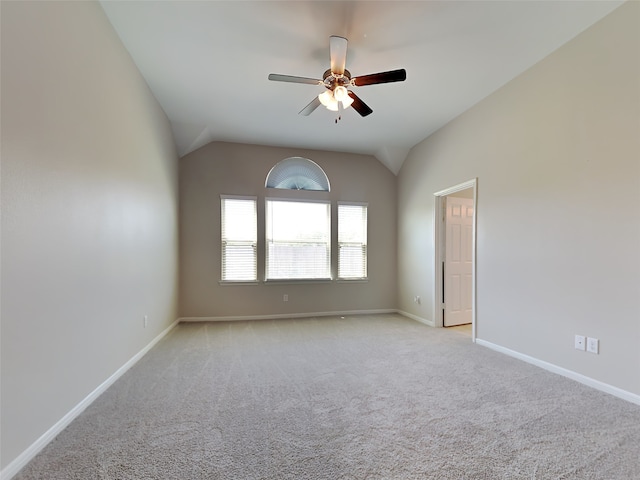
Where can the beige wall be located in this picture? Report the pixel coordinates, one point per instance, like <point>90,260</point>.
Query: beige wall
<point>468,193</point>
<point>89,200</point>
<point>226,168</point>
<point>556,152</point>
<point>89,213</point>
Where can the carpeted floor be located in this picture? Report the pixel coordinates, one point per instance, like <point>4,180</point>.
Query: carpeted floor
<point>370,397</point>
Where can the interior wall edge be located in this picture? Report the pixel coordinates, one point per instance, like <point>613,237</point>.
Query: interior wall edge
<point>578,377</point>
<point>237,318</point>
<point>27,455</point>
<point>426,321</point>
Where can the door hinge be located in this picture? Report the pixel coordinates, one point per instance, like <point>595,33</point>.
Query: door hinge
<point>443,306</point>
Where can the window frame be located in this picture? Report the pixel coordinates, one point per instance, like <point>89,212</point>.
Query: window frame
<point>364,244</point>
<point>328,204</point>
<point>224,242</point>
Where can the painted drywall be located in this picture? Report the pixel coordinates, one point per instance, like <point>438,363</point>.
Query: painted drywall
<point>556,155</point>
<point>468,193</point>
<point>236,169</point>
<point>89,213</point>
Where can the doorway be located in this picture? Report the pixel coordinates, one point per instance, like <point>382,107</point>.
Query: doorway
<point>454,259</point>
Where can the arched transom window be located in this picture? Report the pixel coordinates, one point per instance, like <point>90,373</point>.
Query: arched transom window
<point>297,173</point>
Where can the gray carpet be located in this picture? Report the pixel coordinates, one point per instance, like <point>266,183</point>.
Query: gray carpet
<point>371,397</point>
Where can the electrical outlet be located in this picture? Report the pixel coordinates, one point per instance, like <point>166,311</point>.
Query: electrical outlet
<point>285,298</point>
<point>579,343</point>
<point>592,345</point>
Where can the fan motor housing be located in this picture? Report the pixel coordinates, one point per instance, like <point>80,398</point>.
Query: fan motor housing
<point>332,80</point>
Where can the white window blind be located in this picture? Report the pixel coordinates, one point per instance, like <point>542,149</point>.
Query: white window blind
<point>239,239</point>
<point>298,237</point>
<point>352,241</point>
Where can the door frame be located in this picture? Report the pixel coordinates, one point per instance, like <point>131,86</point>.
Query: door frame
<point>438,230</point>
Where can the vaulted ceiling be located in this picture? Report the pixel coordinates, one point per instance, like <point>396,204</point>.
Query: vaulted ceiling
<point>207,63</point>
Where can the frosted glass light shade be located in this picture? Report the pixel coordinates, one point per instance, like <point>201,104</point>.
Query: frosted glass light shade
<point>330,99</point>
<point>340,93</point>
<point>326,98</point>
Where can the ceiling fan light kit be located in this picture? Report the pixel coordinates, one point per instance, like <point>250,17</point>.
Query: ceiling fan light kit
<point>337,81</point>
<point>330,99</point>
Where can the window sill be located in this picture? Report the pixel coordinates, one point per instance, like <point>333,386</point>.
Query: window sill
<point>234,283</point>
<point>290,281</point>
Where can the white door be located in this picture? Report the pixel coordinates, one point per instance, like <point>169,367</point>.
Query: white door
<point>458,266</point>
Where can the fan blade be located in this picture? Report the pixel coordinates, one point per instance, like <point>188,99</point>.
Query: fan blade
<point>306,111</point>
<point>359,106</point>
<point>338,52</point>
<point>382,77</point>
<point>291,79</point>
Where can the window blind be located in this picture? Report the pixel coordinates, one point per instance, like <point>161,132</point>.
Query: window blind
<point>352,241</point>
<point>298,238</point>
<point>239,239</point>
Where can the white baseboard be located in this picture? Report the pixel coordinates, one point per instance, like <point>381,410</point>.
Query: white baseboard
<point>286,315</point>
<point>25,457</point>
<point>590,382</point>
<point>431,323</point>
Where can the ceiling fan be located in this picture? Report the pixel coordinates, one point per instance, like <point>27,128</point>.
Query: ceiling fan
<point>337,81</point>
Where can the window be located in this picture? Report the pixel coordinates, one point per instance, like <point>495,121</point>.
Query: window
<point>239,239</point>
<point>298,237</point>
<point>352,241</point>
<point>297,173</point>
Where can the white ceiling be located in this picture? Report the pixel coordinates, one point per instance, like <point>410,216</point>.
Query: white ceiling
<point>207,63</point>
